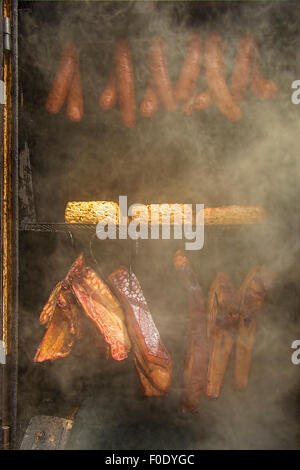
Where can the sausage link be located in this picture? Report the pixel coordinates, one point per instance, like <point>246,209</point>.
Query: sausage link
<point>189,106</point>
<point>125,82</point>
<point>216,79</point>
<point>203,101</point>
<point>75,98</point>
<point>191,68</point>
<point>261,87</point>
<point>199,102</point>
<point>108,98</point>
<point>160,75</point>
<point>149,105</point>
<point>63,78</point>
<point>242,72</point>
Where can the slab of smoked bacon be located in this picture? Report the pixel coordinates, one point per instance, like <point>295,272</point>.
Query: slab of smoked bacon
<point>253,292</point>
<point>101,306</point>
<point>58,339</point>
<point>62,316</point>
<point>49,308</point>
<point>196,356</point>
<point>63,296</point>
<point>70,308</point>
<point>223,312</point>
<point>152,360</point>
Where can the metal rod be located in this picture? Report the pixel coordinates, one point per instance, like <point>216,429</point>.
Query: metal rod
<point>15,236</point>
<point>6,228</point>
<point>9,306</point>
<point>7,198</point>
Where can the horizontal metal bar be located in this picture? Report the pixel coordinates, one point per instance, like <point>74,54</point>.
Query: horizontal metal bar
<point>55,227</point>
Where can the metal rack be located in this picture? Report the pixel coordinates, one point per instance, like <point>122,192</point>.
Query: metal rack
<point>56,227</point>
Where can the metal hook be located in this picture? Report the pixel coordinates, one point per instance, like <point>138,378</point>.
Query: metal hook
<point>72,241</point>
<point>93,256</point>
<point>133,252</point>
<point>130,264</point>
<point>71,238</point>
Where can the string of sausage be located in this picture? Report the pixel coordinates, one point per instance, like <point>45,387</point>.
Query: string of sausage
<point>120,87</point>
<point>216,78</point>
<point>246,73</point>
<point>108,98</point>
<point>160,74</point>
<point>125,82</point>
<point>190,70</point>
<point>67,83</point>
<point>75,98</point>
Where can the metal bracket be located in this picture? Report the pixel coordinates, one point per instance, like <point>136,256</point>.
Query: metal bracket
<point>6,33</point>
<point>2,353</point>
<point>2,92</point>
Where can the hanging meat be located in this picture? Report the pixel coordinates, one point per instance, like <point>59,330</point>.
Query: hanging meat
<point>152,360</point>
<point>253,297</point>
<point>62,314</point>
<point>82,290</point>
<point>223,305</point>
<point>101,306</point>
<point>196,356</point>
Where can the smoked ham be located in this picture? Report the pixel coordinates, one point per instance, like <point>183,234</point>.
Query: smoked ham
<point>62,317</point>
<point>253,294</point>
<point>57,341</point>
<point>196,356</point>
<point>152,360</point>
<point>223,312</point>
<point>101,306</point>
<point>48,310</point>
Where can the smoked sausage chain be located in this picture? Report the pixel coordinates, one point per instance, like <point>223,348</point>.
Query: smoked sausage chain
<point>185,95</point>
<point>67,85</point>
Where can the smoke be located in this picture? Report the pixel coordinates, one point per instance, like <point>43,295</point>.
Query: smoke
<point>203,158</point>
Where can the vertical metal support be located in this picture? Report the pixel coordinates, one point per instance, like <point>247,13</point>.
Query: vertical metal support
<point>3,350</point>
<point>7,196</point>
<point>9,222</point>
<point>6,234</point>
<point>15,232</point>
